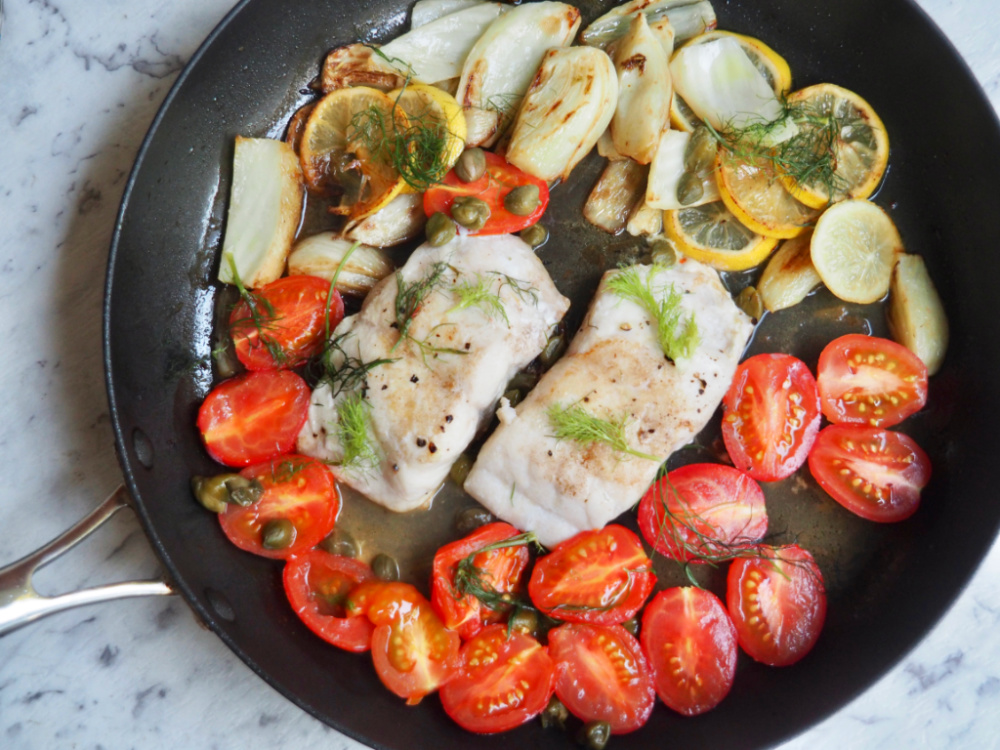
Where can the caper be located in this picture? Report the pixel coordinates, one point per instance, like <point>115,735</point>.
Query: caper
<point>536,235</point>
<point>522,200</point>
<point>554,714</point>
<point>701,150</point>
<point>440,229</point>
<point>663,253</point>
<point>471,213</point>
<point>594,735</point>
<point>513,396</point>
<point>554,348</point>
<point>243,491</point>
<point>524,621</point>
<point>632,625</point>
<point>278,533</point>
<point>340,542</point>
<point>211,492</point>
<point>690,188</point>
<point>470,165</point>
<point>524,380</point>
<point>468,520</point>
<point>385,567</point>
<point>748,300</point>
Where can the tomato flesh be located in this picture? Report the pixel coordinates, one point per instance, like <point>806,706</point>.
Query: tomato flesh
<point>602,576</point>
<point>602,675</point>
<point>498,180</point>
<point>691,644</point>
<point>503,681</point>
<point>703,512</point>
<point>871,381</point>
<point>778,604</point>
<point>771,416</point>
<point>317,584</point>
<point>877,474</point>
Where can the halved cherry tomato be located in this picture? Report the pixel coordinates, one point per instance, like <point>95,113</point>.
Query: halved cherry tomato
<point>877,474</point>
<point>778,604</point>
<point>253,417</point>
<point>771,416</point>
<point>503,681</point>
<point>871,381</point>
<point>286,324</point>
<point>499,570</point>
<point>602,675</point>
<point>703,512</point>
<point>296,488</point>
<point>317,584</point>
<point>601,576</point>
<point>691,644</point>
<point>498,180</point>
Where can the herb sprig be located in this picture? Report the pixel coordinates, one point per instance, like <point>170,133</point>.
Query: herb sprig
<point>677,335</point>
<point>577,424</point>
<point>479,293</point>
<point>355,433</point>
<point>260,316</point>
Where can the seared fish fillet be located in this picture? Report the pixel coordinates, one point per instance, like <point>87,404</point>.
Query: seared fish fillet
<point>484,308</point>
<point>616,370</point>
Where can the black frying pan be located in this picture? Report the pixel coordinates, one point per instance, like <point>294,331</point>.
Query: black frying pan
<point>888,585</point>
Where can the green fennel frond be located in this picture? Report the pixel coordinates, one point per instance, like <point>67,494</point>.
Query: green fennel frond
<point>577,424</point>
<point>677,335</point>
<point>479,293</point>
<point>355,433</point>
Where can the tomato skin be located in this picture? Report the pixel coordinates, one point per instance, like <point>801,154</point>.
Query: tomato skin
<point>315,582</point>
<point>498,180</point>
<point>501,569</point>
<point>291,312</point>
<point>697,503</point>
<point>691,644</point>
<point>297,488</point>
<point>778,604</point>
<point>871,381</point>
<point>601,576</point>
<point>771,416</point>
<point>253,417</point>
<point>891,466</point>
<point>585,657</point>
<point>510,682</point>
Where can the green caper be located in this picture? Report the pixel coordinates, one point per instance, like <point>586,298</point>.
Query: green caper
<point>440,229</point>
<point>662,252</point>
<point>524,621</point>
<point>594,735</point>
<point>524,380</point>
<point>522,200</point>
<point>211,492</point>
<point>553,350</point>
<point>278,533</point>
<point>690,189</point>
<point>340,542</point>
<point>460,469</point>
<point>555,714</point>
<point>536,235</point>
<point>471,213</point>
<point>470,165</point>
<point>385,567</point>
<point>701,150</point>
<point>468,520</point>
<point>513,396</point>
<point>748,300</point>
<point>243,491</point>
<point>632,626</point>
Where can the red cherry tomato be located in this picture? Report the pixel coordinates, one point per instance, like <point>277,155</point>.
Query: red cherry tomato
<point>500,570</point>
<point>498,180</point>
<point>503,681</point>
<point>691,644</point>
<point>703,512</point>
<point>771,416</point>
<point>296,488</point>
<point>285,325</point>
<point>253,417</point>
<point>870,381</point>
<point>600,576</point>
<point>602,675</point>
<point>877,474</point>
<point>778,604</point>
<point>317,584</point>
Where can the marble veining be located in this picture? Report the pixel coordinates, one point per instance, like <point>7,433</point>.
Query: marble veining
<point>79,84</point>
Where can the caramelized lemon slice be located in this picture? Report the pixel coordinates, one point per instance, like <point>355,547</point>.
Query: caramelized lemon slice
<point>434,136</point>
<point>711,234</point>
<point>759,200</point>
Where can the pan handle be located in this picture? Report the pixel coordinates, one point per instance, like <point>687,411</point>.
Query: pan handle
<point>21,604</point>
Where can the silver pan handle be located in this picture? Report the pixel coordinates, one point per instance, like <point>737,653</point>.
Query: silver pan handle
<point>21,604</point>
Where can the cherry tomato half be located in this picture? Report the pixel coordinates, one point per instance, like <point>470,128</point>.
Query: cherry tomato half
<point>498,180</point>
<point>601,576</point>
<point>874,473</point>
<point>703,512</point>
<point>253,417</point>
<point>499,570</point>
<point>871,381</point>
<point>317,584</point>
<point>503,681</point>
<point>298,489</point>
<point>771,416</point>
<point>778,604</point>
<point>691,644</point>
<point>285,325</point>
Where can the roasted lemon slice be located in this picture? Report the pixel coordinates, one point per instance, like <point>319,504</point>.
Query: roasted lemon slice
<point>682,117</point>
<point>345,149</point>
<point>772,65</point>
<point>711,234</point>
<point>434,136</point>
<point>853,248</point>
<point>759,200</point>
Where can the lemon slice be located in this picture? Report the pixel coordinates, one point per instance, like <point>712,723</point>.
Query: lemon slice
<point>343,147</point>
<point>682,117</point>
<point>858,155</point>
<point>434,135</point>
<point>772,65</point>
<point>759,200</point>
<point>711,234</point>
<point>854,248</point>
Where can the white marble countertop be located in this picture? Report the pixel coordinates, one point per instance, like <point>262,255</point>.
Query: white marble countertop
<point>79,84</point>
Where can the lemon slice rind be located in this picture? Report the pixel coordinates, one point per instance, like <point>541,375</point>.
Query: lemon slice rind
<point>712,235</point>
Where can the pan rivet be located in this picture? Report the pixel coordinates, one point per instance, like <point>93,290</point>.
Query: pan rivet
<point>143,448</point>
